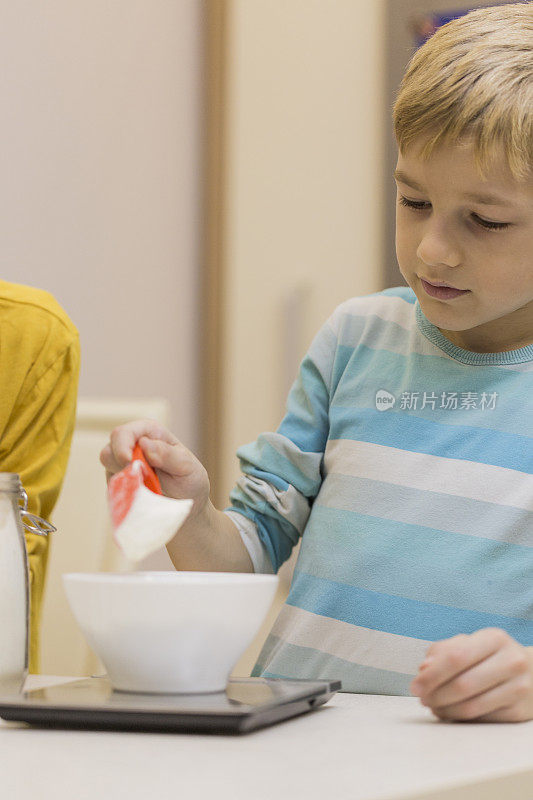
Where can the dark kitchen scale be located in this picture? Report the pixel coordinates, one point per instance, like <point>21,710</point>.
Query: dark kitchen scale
<point>91,703</point>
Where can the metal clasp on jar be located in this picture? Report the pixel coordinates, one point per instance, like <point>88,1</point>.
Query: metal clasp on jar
<point>31,522</point>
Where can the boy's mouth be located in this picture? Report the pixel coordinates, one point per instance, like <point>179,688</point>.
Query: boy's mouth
<point>442,291</point>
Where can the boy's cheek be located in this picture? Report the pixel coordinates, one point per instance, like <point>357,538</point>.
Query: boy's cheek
<point>406,255</point>
<point>402,264</point>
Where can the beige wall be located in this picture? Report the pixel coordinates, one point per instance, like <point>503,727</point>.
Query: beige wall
<point>303,177</point>
<point>102,182</point>
<point>102,198</point>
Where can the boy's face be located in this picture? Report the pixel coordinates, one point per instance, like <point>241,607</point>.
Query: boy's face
<point>484,248</point>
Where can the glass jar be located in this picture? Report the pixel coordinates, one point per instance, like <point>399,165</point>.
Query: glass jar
<point>14,580</point>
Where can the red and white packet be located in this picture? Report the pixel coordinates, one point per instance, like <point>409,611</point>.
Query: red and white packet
<point>143,518</point>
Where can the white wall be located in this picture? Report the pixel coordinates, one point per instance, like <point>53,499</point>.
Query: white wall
<point>100,198</point>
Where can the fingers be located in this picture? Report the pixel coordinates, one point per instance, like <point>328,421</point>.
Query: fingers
<point>109,461</point>
<point>450,657</point>
<point>118,452</point>
<point>501,703</point>
<point>486,676</point>
<point>482,677</point>
<point>173,458</point>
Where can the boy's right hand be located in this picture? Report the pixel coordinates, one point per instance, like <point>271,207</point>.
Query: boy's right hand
<point>180,473</point>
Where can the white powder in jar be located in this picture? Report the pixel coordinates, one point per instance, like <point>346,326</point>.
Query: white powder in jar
<point>13,619</point>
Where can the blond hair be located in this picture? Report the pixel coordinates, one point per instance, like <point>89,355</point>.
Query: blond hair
<point>473,80</point>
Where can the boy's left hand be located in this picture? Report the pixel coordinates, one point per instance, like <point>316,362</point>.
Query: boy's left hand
<point>485,676</point>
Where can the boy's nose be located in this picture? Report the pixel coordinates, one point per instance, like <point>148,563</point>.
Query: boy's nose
<point>435,249</point>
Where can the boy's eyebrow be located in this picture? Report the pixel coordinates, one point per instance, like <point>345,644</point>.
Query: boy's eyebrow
<point>484,199</point>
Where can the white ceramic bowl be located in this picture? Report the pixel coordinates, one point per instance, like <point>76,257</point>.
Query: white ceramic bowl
<point>170,632</point>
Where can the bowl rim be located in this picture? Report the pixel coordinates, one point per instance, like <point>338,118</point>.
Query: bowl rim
<point>169,577</point>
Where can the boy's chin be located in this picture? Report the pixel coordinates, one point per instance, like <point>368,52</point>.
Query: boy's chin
<point>442,315</point>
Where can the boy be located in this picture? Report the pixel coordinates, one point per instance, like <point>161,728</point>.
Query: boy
<point>404,460</point>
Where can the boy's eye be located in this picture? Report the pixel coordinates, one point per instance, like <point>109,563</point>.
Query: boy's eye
<point>487,223</point>
<point>418,206</point>
<point>484,223</point>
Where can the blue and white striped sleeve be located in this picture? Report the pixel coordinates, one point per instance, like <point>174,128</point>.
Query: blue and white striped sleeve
<point>281,471</point>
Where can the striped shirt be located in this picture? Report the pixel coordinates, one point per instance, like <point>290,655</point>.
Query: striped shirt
<point>405,464</point>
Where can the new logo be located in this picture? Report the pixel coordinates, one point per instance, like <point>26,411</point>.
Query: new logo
<point>384,400</point>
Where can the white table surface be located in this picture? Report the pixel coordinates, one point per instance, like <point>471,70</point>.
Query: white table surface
<point>362,747</point>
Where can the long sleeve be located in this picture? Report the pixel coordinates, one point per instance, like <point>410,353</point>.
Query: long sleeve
<point>39,367</point>
<point>282,470</point>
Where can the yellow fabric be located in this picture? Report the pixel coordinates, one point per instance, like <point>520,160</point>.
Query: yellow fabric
<point>39,369</point>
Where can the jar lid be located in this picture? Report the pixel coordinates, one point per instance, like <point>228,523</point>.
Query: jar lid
<point>10,482</point>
